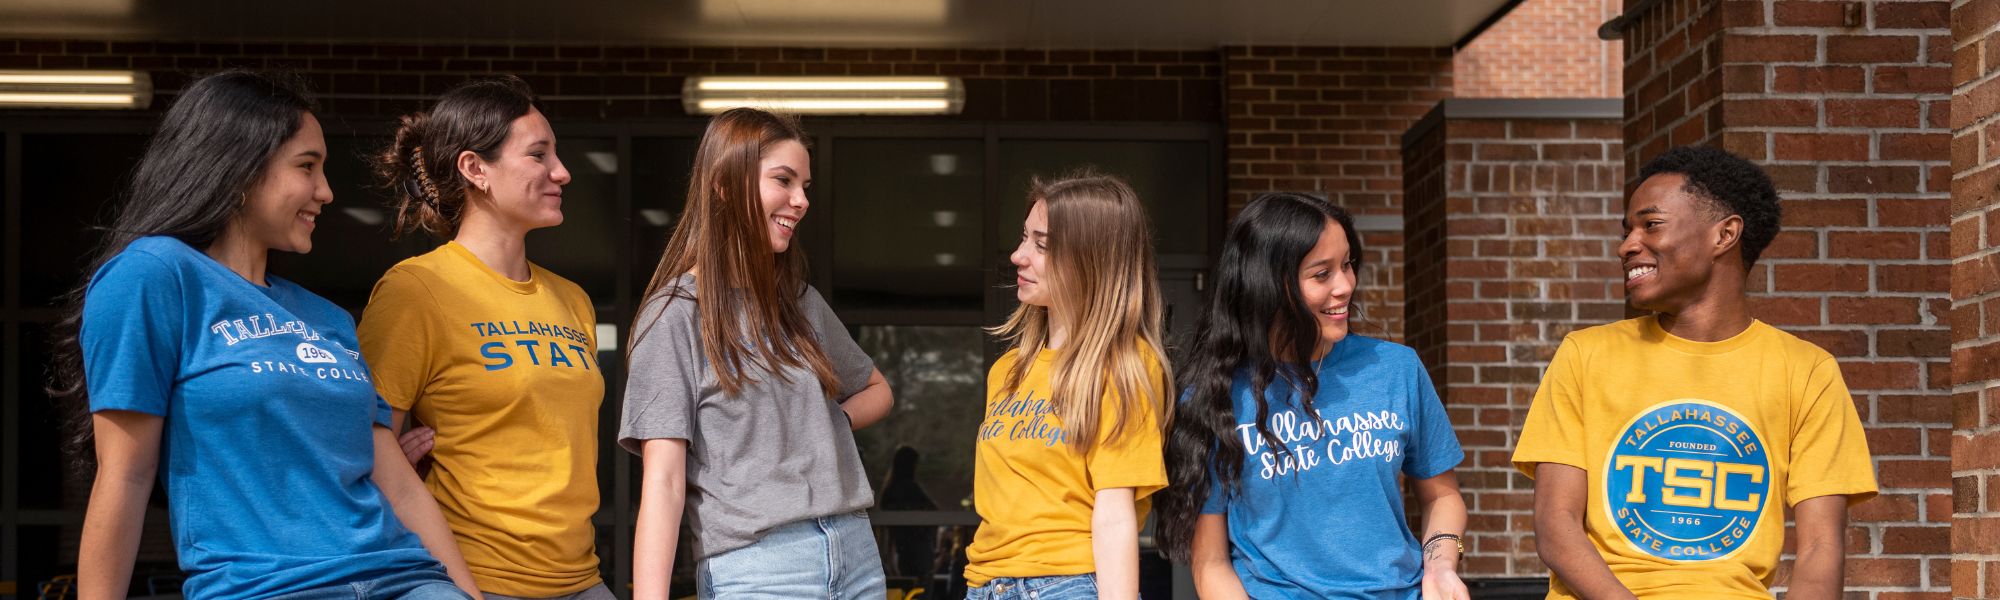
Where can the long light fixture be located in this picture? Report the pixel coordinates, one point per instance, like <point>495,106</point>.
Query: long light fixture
<point>75,89</point>
<point>826,95</point>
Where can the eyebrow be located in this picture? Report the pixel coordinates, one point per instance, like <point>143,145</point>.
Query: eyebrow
<point>1038,234</point>
<point>315,154</point>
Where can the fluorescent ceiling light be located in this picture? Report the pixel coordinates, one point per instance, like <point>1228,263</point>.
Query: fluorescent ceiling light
<point>75,89</point>
<point>826,95</point>
<point>606,162</point>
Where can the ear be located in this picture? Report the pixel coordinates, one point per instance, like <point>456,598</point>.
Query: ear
<point>472,169</point>
<point>1727,236</point>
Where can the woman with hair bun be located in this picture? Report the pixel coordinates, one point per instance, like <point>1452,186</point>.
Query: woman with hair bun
<point>495,355</point>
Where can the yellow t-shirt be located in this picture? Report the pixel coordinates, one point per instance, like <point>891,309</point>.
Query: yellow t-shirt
<point>1694,450</point>
<point>506,372</point>
<point>1034,495</point>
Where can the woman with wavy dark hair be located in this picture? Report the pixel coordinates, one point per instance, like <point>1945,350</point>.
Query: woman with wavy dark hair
<point>245,393</point>
<point>1292,433</point>
<point>744,389</point>
<point>496,355</point>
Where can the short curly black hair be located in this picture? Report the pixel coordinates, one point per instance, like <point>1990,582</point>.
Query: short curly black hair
<point>1729,183</point>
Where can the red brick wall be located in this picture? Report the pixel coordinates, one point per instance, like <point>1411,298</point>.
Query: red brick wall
<point>618,82</point>
<point>1975,299</point>
<point>1845,104</point>
<point>1543,49</point>
<point>1519,217</point>
<point>1330,121</point>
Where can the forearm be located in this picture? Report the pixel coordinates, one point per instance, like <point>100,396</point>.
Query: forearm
<point>1563,546</point>
<point>869,405</point>
<point>417,510</point>
<point>662,496</point>
<point>1443,515</point>
<point>1114,544</point>
<point>111,526</point>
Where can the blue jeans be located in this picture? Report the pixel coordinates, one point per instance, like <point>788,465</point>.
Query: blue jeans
<point>827,557</point>
<point>425,584</point>
<point>1056,587</point>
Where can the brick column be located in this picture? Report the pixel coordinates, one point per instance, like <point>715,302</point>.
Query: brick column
<point>1975,299</point>
<point>1512,209</point>
<point>1845,104</point>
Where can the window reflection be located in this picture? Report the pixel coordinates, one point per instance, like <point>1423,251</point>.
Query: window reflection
<point>906,229</point>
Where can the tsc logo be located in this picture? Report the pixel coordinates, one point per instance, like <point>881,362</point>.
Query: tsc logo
<point>1687,481</point>
<point>312,354</point>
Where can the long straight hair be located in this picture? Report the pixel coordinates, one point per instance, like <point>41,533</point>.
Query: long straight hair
<point>1256,322</point>
<point>211,147</point>
<point>745,294</point>
<point>1107,293</point>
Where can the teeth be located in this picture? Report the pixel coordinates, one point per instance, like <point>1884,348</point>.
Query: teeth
<point>1635,272</point>
<point>1335,311</point>
<point>787,222</point>
<point>310,217</point>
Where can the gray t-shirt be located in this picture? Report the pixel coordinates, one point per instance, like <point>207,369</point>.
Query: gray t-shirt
<point>779,452</point>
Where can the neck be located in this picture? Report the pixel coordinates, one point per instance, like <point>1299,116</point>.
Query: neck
<point>240,254</point>
<point>502,247</point>
<point>1058,331</point>
<point>1718,313</point>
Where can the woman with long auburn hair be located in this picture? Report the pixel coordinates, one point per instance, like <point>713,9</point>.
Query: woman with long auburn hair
<point>1293,434</point>
<point>744,389</point>
<point>1069,450</point>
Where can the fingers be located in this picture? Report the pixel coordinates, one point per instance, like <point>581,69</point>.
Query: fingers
<point>417,442</point>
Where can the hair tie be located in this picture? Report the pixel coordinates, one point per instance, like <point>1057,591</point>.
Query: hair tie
<point>430,191</point>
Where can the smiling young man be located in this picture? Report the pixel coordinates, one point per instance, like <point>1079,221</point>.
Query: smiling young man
<point>1666,449</point>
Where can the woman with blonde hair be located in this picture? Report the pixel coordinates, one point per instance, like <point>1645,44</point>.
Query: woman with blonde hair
<point>1070,448</point>
<point>745,388</point>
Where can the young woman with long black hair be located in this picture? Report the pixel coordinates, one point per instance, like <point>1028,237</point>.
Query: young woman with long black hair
<point>245,393</point>
<point>1293,433</point>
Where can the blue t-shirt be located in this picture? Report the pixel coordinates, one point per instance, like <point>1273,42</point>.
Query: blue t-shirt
<point>1326,520</point>
<point>268,439</point>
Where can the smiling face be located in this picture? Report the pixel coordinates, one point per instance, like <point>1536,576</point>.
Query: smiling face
<point>279,210</point>
<point>1672,243</point>
<point>1326,283</point>
<point>1031,258</point>
<point>524,183</point>
<point>782,177</point>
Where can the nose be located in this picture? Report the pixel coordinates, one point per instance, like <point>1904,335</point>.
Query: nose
<point>557,172</point>
<point>1629,247</point>
<point>1020,255</point>
<point>322,193</point>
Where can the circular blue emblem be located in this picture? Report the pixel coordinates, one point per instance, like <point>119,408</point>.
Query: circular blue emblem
<point>1687,480</point>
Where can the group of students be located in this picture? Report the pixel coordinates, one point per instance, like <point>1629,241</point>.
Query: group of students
<point>1664,449</point>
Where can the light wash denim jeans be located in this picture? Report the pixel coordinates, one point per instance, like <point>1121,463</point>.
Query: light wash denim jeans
<point>422,584</point>
<point>595,592</point>
<point>1055,587</point>
<point>827,557</point>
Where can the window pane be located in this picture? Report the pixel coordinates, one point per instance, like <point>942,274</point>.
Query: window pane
<point>660,169</point>
<point>1170,177</point>
<point>906,229</point>
<point>938,375</point>
<point>68,182</point>
<point>351,239</point>
<point>584,249</point>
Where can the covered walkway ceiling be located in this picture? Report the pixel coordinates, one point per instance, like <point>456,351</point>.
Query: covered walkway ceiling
<point>1083,24</point>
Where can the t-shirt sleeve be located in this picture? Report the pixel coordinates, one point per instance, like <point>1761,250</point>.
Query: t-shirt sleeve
<point>132,332</point>
<point>850,363</point>
<point>1136,458</point>
<point>384,414</point>
<point>662,387</point>
<point>1555,419</point>
<point>1829,449</point>
<point>1436,444</point>
<point>397,330</point>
